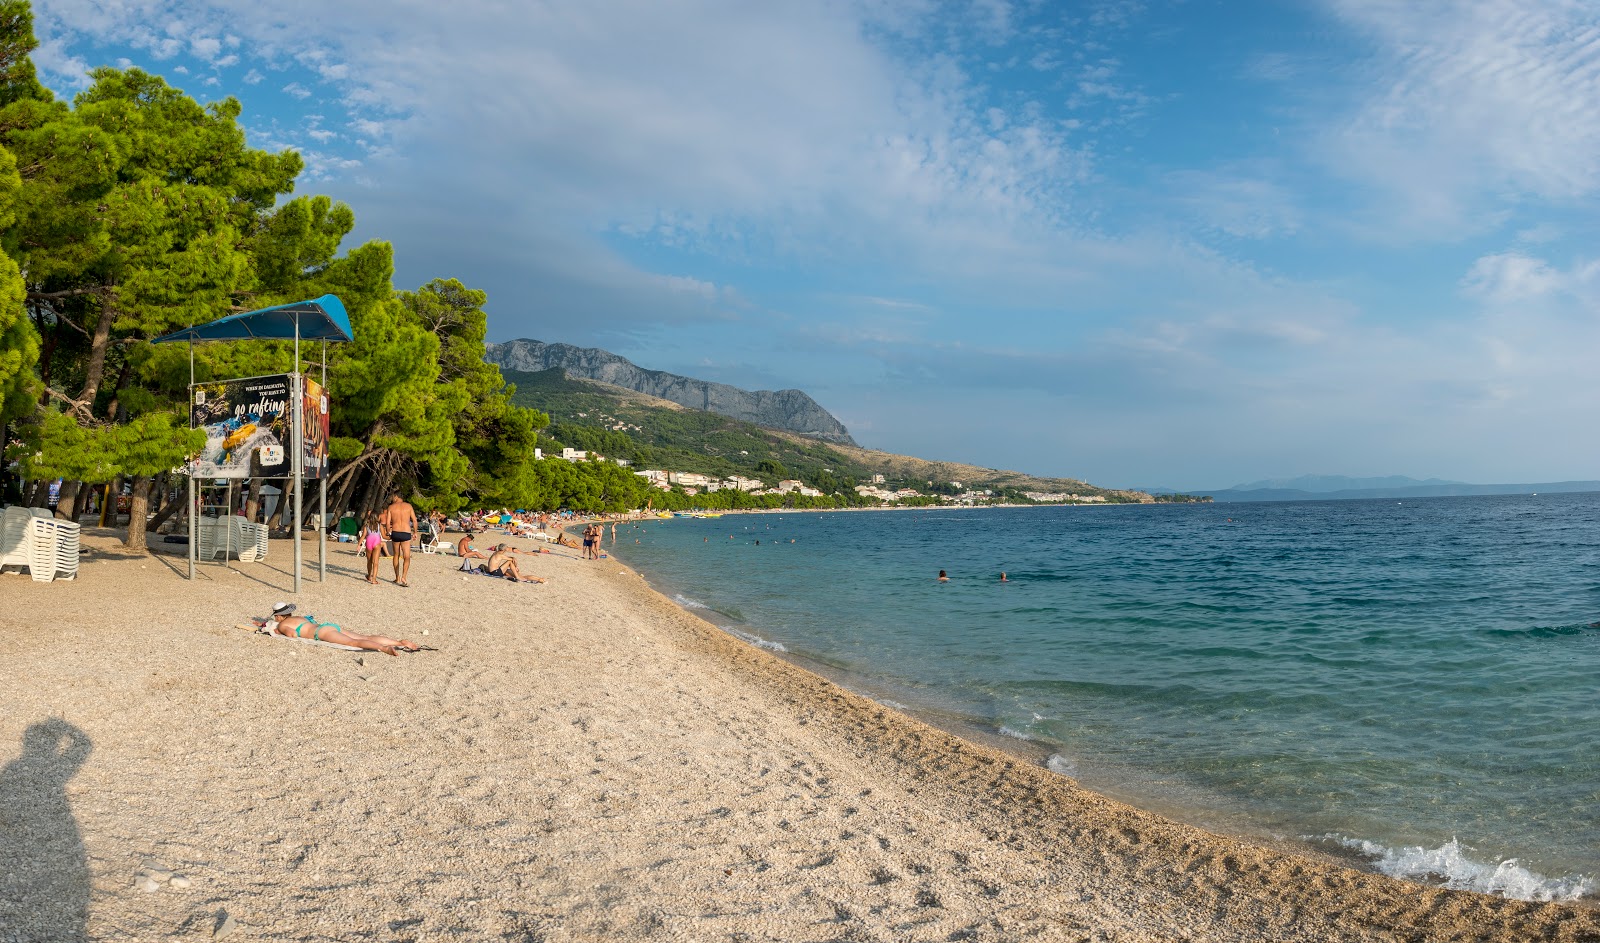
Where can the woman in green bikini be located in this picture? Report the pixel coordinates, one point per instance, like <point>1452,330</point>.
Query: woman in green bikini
<point>287,623</point>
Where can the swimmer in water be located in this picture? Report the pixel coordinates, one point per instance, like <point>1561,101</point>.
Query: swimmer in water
<point>1003,577</point>
<point>943,578</point>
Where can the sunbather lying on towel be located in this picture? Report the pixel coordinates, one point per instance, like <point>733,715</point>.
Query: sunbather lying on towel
<point>501,564</point>
<point>287,623</point>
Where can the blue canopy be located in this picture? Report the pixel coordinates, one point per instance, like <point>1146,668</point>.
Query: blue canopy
<point>321,319</point>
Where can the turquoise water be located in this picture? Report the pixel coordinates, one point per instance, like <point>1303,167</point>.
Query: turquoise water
<point>1411,682</point>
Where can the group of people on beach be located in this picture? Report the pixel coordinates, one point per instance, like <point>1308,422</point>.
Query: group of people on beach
<point>390,533</point>
<point>593,534</point>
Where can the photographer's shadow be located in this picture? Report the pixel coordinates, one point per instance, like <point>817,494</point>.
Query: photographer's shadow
<point>44,870</point>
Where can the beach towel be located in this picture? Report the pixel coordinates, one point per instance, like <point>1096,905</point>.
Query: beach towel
<point>290,638</point>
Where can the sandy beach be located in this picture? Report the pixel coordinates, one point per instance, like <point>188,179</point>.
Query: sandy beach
<point>579,760</point>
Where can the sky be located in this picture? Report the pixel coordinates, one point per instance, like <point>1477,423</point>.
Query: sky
<point>1178,244</point>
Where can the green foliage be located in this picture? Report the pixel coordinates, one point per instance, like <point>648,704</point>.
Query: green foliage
<point>149,445</point>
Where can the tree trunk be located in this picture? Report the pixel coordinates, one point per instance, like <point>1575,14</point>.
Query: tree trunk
<point>39,497</point>
<point>285,498</point>
<point>67,500</point>
<point>138,507</point>
<point>95,371</point>
<point>81,504</point>
<point>169,508</point>
<point>253,505</point>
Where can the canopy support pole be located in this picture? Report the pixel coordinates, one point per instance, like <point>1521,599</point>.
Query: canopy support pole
<point>194,524</point>
<point>322,483</point>
<point>297,408</point>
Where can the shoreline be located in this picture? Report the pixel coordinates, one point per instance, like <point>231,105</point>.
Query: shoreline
<point>1221,819</point>
<point>579,760</point>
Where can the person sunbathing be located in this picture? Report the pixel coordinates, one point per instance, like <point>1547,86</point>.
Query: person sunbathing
<point>283,621</point>
<point>501,564</point>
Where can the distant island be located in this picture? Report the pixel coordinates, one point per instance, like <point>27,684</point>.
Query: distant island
<point>1342,488</point>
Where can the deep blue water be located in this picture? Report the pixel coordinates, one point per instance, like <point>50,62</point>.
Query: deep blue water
<point>1414,681</point>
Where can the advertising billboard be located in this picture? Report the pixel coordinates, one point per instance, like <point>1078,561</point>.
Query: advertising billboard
<point>247,425</point>
<point>314,422</point>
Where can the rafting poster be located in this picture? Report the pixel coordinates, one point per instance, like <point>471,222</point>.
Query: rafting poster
<point>247,424</point>
<point>314,422</point>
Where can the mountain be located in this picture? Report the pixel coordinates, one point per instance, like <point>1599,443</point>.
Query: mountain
<point>789,410</point>
<point>1317,484</point>
<point>1417,490</point>
<point>657,433</point>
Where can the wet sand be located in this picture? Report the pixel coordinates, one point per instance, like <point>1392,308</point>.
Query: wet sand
<point>580,760</point>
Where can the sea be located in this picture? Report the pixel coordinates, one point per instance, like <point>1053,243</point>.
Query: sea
<point>1409,684</point>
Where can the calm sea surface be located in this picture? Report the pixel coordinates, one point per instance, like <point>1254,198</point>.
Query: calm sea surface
<point>1413,682</point>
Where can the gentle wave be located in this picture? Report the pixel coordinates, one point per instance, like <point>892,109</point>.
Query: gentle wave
<point>1062,765</point>
<point>1014,733</point>
<point>688,603</point>
<point>755,640</point>
<point>1449,866</point>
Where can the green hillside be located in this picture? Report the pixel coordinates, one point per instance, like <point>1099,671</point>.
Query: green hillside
<point>654,433</point>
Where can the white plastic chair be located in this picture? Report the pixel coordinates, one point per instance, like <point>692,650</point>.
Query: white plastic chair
<point>41,550</point>
<point>67,543</point>
<point>14,537</point>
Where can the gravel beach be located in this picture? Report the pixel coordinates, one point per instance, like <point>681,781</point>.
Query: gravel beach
<point>579,760</point>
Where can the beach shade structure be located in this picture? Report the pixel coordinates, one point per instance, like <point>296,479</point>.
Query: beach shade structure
<point>320,319</point>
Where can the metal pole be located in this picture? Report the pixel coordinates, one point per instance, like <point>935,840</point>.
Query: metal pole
<point>322,484</point>
<point>227,519</point>
<point>194,535</point>
<point>194,523</point>
<point>299,452</point>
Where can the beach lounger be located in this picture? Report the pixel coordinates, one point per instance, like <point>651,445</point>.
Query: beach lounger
<point>14,537</point>
<point>47,547</point>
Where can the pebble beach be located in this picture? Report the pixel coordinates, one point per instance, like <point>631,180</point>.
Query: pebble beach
<point>578,760</point>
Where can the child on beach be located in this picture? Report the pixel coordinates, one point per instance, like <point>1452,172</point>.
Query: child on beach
<point>371,542</point>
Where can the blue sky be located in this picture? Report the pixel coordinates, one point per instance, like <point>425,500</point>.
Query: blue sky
<point>1184,244</point>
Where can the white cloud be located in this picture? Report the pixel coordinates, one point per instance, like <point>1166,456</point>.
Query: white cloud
<point>253,77</point>
<point>1470,104</point>
<point>297,90</point>
<point>1515,279</point>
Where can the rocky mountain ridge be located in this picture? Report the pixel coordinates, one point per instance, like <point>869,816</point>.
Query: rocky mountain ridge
<point>789,410</point>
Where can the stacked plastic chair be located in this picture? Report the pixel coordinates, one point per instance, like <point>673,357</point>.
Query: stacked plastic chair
<point>219,535</point>
<point>14,537</point>
<point>62,540</point>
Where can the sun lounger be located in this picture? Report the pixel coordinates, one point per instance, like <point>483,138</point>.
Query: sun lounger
<point>47,547</point>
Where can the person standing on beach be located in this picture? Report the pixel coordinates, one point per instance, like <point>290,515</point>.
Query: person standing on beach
<point>399,523</point>
<point>372,546</point>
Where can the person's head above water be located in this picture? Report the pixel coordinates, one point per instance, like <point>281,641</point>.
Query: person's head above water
<point>942,576</point>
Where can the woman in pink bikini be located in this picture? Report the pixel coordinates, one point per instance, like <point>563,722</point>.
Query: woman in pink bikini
<point>372,540</point>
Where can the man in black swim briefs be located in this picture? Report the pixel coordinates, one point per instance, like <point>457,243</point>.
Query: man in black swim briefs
<point>399,522</point>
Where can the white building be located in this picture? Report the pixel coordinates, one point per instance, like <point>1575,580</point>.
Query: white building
<point>575,455</point>
<point>790,484</point>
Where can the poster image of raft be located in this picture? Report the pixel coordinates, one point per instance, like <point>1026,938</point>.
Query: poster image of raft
<point>241,419</point>
<point>314,423</point>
